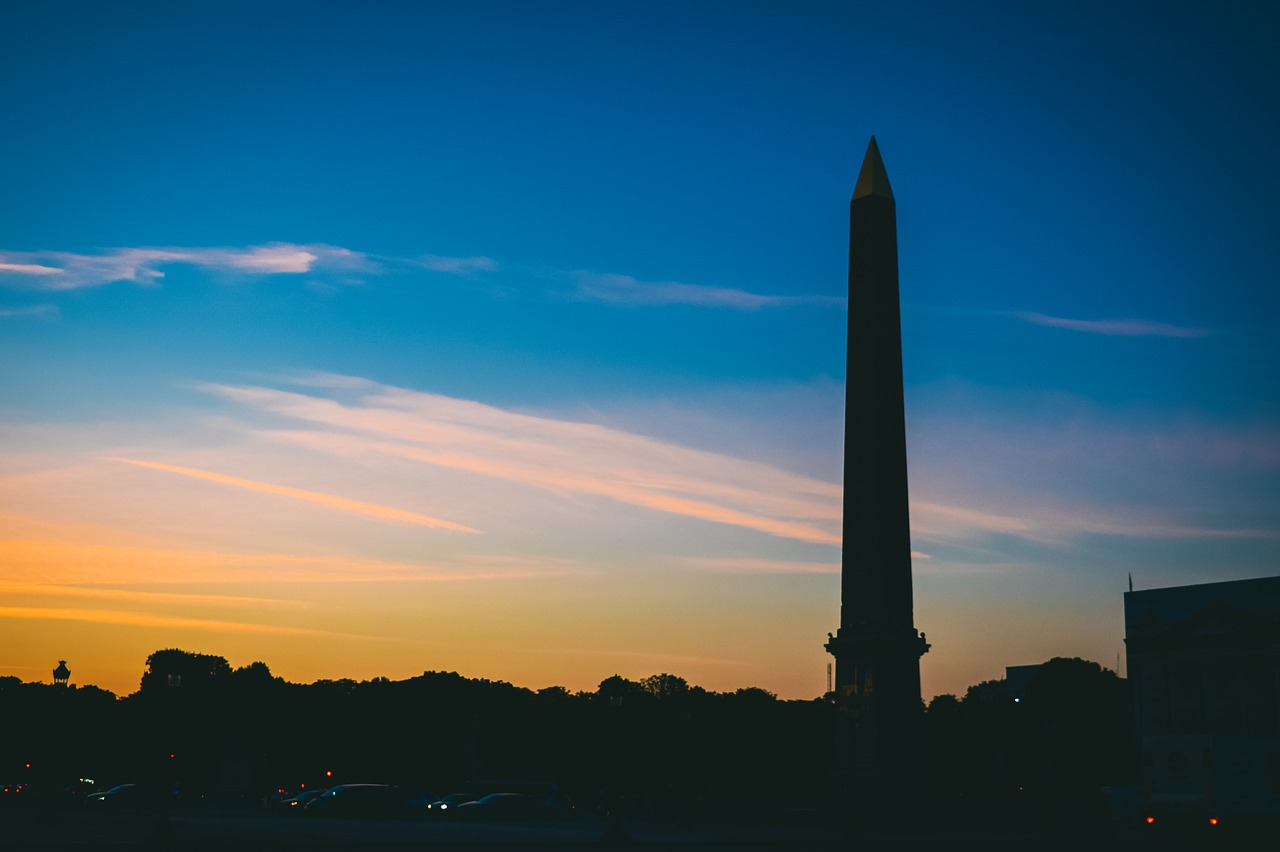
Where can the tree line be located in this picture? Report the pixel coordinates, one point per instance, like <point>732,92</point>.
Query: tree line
<point>219,733</point>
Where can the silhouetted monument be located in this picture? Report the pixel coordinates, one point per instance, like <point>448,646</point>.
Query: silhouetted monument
<point>62,674</point>
<point>877,648</point>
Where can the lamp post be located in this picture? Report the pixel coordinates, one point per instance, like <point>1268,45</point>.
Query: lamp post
<point>614,833</point>
<point>53,752</point>
<point>162,836</point>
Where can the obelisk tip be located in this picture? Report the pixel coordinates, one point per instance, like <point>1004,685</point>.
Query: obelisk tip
<point>872,179</point>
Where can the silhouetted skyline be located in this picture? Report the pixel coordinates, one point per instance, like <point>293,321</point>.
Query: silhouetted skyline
<point>509,338</point>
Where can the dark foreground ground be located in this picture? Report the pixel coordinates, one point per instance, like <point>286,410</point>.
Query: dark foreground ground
<point>231,829</point>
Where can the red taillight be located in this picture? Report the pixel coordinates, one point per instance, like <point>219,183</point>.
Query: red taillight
<point>1213,820</point>
<point>1151,820</point>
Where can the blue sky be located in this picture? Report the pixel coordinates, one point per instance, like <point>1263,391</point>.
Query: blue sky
<point>509,337</point>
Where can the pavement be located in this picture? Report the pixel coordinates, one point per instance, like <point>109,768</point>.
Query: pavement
<point>212,830</point>
<point>244,830</point>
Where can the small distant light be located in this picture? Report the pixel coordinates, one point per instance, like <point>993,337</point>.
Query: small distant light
<point>1151,820</point>
<point>302,786</point>
<point>328,773</point>
<point>444,807</point>
<point>1213,820</point>
<point>1017,701</point>
<point>28,765</point>
<point>172,755</point>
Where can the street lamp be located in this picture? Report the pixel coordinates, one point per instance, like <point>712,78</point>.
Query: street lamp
<point>163,837</point>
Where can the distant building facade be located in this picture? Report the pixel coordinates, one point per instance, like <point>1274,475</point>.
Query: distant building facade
<point>1012,688</point>
<point>1205,659</point>
<point>1204,664</point>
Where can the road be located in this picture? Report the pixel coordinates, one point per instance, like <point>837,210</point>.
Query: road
<point>212,830</point>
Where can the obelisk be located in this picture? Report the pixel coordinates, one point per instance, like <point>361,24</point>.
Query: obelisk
<point>877,648</point>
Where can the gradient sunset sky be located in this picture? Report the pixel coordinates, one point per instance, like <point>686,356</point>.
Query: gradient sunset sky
<point>365,339</point>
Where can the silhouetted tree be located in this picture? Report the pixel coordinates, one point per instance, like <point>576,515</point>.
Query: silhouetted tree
<point>554,693</point>
<point>254,674</point>
<point>755,694</point>
<point>1080,731</point>
<point>665,687</point>
<point>1037,753</point>
<point>197,672</point>
<point>617,688</point>
<point>244,731</point>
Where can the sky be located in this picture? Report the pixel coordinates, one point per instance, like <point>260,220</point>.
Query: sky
<point>508,338</point>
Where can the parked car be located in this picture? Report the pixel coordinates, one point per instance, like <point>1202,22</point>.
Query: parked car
<point>273,800</point>
<point>360,801</point>
<point>294,804</point>
<point>449,804</point>
<point>501,807</point>
<point>416,802</point>
<point>122,797</point>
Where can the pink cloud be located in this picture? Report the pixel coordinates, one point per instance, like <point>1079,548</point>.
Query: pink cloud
<point>559,456</point>
<point>1117,328</point>
<point>332,501</point>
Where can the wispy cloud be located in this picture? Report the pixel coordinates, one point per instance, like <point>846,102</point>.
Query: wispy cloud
<point>747,565</point>
<point>553,455</point>
<point>625,290</point>
<point>81,564</point>
<point>33,311</point>
<point>1048,523</point>
<point>458,265</point>
<point>938,521</point>
<point>29,269</point>
<point>69,271</point>
<point>150,619</point>
<point>54,270</point>
<point>1115,328</point>
<point>647,656</point>
<point>343,504</point>
<point>136,596</point>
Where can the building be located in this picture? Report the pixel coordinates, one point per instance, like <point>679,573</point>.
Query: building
<point>1204,664</point>
<point>1205,659</point>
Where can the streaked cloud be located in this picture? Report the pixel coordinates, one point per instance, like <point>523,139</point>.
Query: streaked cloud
<point>941,521</point>
<point>650,658</point>
<point>553,455</point>
<point>29,269</point>
<point>627,291</point>
<point>1115,328</point>
<point>747,565</point>
<point>332,501</point>
<point>132,618</point>
<point>1051,524</point>
<point>33,311</point>
<point>137,596</point>
<point>458,265</point>
<point>54,270</point>
<point>69,271</point>
<point>80,564</point>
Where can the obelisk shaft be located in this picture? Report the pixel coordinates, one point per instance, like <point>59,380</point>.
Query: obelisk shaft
<point>876,576</point>
<point>877,648</point>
